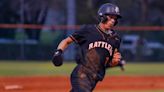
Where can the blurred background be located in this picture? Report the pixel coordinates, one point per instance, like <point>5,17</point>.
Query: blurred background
<point>32,29</point>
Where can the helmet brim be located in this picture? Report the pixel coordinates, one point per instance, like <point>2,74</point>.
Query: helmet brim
<point>118,16</point>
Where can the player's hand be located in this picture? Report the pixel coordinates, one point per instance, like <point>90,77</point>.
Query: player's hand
<point>57,58</point>
<point>116,59</point>
<point>121,64</point>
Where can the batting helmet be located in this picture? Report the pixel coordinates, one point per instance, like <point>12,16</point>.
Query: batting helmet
<point>108,9</point>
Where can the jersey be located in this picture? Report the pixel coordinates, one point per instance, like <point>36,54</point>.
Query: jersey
<point>96,49</point>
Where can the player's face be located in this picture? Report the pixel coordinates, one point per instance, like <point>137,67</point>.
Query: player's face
<point>110,22</point>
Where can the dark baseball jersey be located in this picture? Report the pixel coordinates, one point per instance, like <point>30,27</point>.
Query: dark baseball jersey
<point>96,49</point>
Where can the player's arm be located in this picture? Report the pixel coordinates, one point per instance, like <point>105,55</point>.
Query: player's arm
<point>64,43</point>
<point>117,60</point>
<point>57,57</point>
<point>77,37</point>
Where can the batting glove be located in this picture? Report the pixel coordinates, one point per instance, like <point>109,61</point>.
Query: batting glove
<point>57,58</point>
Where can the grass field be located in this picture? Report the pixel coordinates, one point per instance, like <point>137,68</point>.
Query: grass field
<point>28,68</point>
<point>44,74</point>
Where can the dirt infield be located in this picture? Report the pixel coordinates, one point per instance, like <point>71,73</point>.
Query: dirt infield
<point>62,84</point>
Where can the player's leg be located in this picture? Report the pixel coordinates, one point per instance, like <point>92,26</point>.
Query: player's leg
<point>79,82</point>
<point>82,81</point>
<point>80,85</point>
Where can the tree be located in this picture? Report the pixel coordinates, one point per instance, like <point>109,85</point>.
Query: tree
<point>35,12</point>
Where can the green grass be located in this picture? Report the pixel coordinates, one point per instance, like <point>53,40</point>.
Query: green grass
<point>28,68</point>
<point>146,69</point>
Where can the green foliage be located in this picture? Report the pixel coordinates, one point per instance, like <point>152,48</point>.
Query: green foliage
<point>49,37</point>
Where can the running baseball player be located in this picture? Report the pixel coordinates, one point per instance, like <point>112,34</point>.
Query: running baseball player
<point>99,49</point>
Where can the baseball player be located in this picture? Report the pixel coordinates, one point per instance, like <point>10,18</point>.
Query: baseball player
<point>99,49</point>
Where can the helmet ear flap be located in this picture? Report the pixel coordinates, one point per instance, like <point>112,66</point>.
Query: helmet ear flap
<point>116,22</point>
<point>103,18</point>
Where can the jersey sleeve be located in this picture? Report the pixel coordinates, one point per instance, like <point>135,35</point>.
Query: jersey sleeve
<point>118,43</point>
<point>118,40</point>
<point>80,35</point>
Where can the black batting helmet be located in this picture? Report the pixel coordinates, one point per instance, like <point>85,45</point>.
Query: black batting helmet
<point>109,9</point>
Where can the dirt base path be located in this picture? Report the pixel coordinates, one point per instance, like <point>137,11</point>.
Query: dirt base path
<point>62,84</point>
